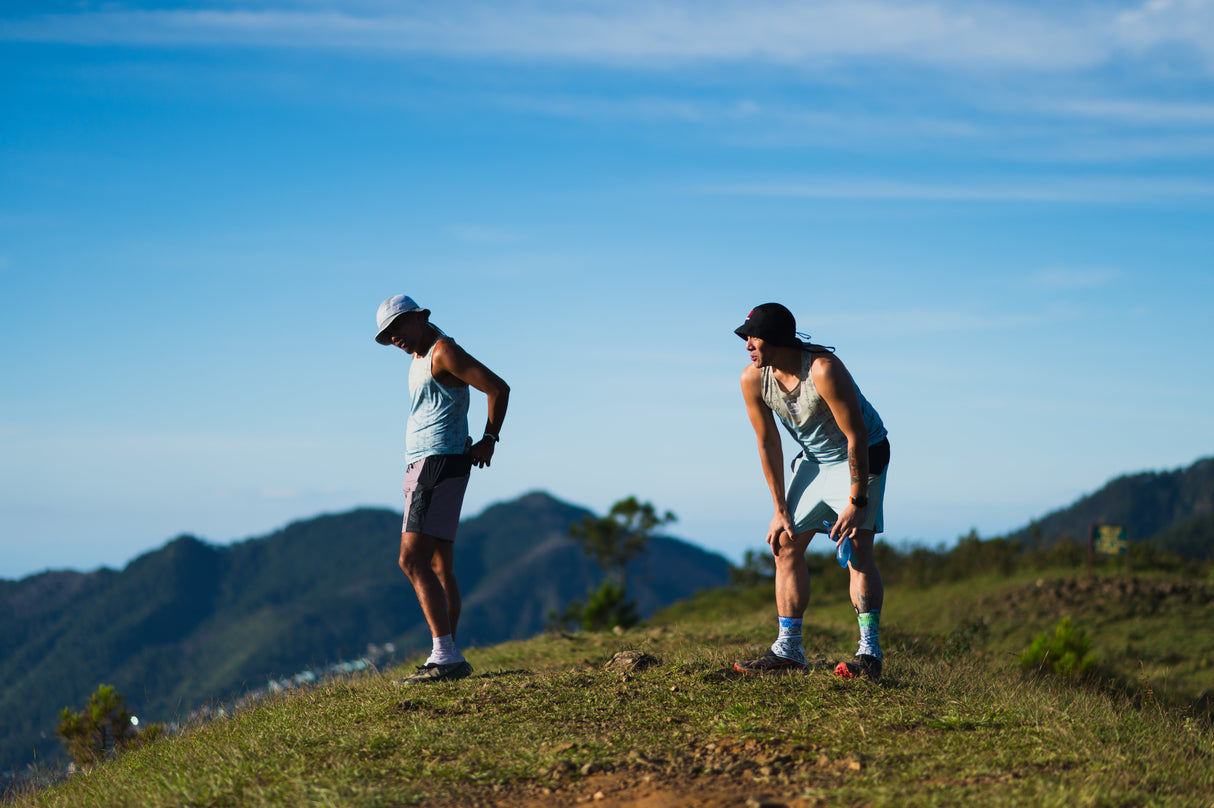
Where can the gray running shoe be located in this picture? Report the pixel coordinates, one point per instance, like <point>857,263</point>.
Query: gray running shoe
<point>433,672</point>
<point>769,663</point>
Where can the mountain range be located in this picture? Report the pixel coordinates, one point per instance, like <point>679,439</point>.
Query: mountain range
<point>1173,510</point>
<point>194,622</point>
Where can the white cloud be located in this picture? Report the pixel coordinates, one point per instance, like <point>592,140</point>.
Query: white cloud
<point>1057,190</point>
<point>1120,148</point>
<point>1138,112</point>
<point>779,121</point>
<point>639,33</point>
<point>1188,24</point>
<point>1020,128</point>
<point>1064,278</point>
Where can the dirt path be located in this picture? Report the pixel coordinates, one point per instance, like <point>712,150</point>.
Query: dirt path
<point>616,790</point>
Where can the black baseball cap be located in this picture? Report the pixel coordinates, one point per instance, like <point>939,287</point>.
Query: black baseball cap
<point>771,323</point>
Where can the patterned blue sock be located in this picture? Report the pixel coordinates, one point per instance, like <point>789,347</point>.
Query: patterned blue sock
<point>788,644</point>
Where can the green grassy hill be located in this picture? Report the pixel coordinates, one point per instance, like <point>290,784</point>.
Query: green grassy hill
<point>190,622</point>
<point>547,721</point>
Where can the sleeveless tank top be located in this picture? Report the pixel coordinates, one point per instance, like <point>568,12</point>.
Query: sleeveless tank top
<point>438,414</point>
<point>808,418</point>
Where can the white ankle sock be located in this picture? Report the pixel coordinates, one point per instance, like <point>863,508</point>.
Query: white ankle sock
<point>443,651</point>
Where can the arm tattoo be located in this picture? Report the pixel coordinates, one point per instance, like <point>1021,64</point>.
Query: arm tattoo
<point>857,463</point>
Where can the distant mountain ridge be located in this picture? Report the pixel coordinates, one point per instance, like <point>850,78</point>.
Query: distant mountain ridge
<point>1174,510</point>
<point>192,622</point>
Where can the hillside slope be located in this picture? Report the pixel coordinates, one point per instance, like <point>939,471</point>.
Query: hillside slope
<point>192,622</point>
<point>561,720</point>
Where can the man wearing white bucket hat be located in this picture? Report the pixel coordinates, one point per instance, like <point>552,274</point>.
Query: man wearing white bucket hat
<point>440,454</point>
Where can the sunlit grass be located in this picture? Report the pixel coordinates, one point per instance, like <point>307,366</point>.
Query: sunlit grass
<point>945,726</point>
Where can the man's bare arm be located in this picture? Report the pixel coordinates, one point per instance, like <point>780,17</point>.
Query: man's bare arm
<point>836,387</point>
<point>771,457</point>
<point>452,361</point>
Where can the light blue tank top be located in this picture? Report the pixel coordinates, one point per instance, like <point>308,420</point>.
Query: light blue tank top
<point>808,418</point>
<point>438,414</point>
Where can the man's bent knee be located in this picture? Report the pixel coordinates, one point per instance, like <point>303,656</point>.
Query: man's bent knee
<point>790,552</point>
<point>410,564</point>
<point>416,553</point>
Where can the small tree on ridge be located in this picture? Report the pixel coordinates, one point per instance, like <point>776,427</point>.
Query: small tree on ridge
<point>102,729</point>
<point>614,541</point>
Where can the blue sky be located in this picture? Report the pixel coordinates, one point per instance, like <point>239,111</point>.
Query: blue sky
<point>1000,213</point>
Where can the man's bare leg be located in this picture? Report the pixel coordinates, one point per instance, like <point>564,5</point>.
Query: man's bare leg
<point>443,564</point>
<point>792,576</point>
<point>792,598</point>
<point>866,589</point>
<point>427,561</point>
<point>417,553</point>
<point>867,597</point>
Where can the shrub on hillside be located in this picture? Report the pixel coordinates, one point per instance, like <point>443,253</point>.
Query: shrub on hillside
<point>608,607</point>
<point>1065,653</point>
<point>103,729</point>
<point>605,608</point>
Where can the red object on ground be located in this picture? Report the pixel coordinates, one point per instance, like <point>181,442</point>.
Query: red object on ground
<point>842,670</point>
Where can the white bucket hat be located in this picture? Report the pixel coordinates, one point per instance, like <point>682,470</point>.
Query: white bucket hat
<point>389,310</point>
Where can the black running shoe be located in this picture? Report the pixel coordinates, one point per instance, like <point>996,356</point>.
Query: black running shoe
<point>862,665</point>
<point>431,672</point>
<point>769,663</point>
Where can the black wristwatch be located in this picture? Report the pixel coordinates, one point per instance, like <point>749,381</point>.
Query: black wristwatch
<point>860,502</point>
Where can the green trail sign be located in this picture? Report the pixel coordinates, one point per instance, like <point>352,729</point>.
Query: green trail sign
<point>1112,539</point>
<point>1108,540</point>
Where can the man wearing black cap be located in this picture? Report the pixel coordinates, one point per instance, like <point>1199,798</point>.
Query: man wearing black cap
<point>439,457</point>
<point>838,480</point>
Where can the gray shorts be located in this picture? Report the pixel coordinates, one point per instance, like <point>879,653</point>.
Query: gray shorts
<point>819,491</point>
<point>434,494</point>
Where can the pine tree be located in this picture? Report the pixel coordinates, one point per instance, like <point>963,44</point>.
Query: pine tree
<point>102,729</point>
